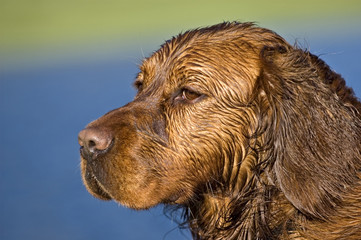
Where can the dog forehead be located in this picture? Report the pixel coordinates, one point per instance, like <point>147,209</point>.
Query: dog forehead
<point>227,54</point>
<point>199,55</point>
<point>221,41</point>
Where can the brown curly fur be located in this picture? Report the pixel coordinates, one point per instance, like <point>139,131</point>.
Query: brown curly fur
<point>253,138</point>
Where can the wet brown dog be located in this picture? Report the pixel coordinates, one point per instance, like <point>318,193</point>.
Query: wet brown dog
<point>252,137</point>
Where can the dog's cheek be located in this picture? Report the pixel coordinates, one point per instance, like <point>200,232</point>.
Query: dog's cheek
<point>135,179</point>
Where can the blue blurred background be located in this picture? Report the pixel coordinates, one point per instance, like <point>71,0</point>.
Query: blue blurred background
<point>65,63</point>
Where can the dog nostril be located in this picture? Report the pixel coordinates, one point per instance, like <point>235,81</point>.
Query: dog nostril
<point>92,144</point>
<point>95,139</point>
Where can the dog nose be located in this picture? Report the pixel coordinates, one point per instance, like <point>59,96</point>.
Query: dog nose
<point>95,140</point>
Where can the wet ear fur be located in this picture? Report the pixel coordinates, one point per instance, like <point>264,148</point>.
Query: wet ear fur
<point>312,129</point>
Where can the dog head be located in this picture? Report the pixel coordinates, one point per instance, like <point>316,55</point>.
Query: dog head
<point>212,105</point>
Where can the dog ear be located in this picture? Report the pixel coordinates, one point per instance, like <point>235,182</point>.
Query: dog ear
<point>313,130</point>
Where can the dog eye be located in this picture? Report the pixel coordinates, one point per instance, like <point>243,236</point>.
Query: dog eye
<point>189,95</point>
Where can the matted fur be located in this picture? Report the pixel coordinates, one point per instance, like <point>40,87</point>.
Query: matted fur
<point>252,137</point>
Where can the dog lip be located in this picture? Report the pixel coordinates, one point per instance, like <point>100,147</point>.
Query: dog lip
<point>96,187</point>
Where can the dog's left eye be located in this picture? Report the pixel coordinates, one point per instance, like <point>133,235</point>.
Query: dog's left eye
<point>187,96</point>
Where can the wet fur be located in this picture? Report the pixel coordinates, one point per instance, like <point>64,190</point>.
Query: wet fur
<point>269,150</point>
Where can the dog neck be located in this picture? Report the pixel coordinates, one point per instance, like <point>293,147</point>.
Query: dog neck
<point>244,209</point>
<point>249,214</point>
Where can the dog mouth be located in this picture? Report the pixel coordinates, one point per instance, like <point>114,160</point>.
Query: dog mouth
<point>94,186</point>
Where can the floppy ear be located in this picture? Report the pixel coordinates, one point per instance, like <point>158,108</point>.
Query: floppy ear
<point>313,130</point>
